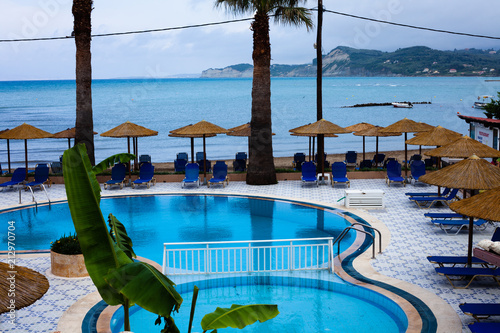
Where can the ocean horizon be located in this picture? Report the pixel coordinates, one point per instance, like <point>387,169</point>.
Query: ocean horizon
<point>166,104</point>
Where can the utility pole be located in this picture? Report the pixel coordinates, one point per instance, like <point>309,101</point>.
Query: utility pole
<point>319,86</point>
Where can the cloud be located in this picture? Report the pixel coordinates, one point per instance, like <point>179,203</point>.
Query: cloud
<point>196,49</point>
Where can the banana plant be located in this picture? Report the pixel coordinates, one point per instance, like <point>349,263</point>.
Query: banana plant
<point>108,255</point>
<point>117,277</point>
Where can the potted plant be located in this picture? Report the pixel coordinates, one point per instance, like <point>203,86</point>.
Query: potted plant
<point>66,258</point>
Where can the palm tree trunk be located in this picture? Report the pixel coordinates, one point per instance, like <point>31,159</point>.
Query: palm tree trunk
<point>84,120</point>
<point>261,170</point>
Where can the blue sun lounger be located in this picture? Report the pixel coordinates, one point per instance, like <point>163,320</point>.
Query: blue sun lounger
<point>146,175</point>
<point>467,274</point>
<point>192,175</point>
<point>309,173</point>
<point>484,327</point>
<point>480,310</point>
<point>17,178</point>
<point>449,225</point>
<point>417,169</point>
<point>339,174</point>
<point>118,173</point>
<point>394,173</point>
<point>444,216</point>
<point>428,194</point>
<point>423,201</point>
<point>441,261</point>
<point>41,177</point>
<point>220,174</point>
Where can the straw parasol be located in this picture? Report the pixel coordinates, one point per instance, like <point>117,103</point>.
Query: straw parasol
<point>473,173</point>
<point>463,148</point>
<point>360,127</point>
<point>321,127</point>
<point>203,128</point>
<point>174,134</point>
<point>25,132</point>
<point>30,286</point>
<point>376,132</point>
<point>67,134</point>
<point>313,136</point>
<point>437,136</point>
<point>242,130</point>
<point>484,205</point>
<point>130,130</point>
<point>405,126</point>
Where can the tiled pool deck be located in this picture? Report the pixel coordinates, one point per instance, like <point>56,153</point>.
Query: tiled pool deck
<point>412,239</point>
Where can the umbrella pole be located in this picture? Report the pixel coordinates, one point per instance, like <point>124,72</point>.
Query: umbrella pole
<point>406,156</point>
<point>136,152</point>
<point>69,143</point>
<point>376,151</point>
<point>469,246</point>
<point>26,156</point>
<point>192,150</point>
<point>314,139</point>
<point>204,161</point>
<point>309,149</point>
<point>8,153</point>
<point>128,164</point>
<point>363,148</point>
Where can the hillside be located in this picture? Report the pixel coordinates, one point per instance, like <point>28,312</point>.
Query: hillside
<point>412,61</point>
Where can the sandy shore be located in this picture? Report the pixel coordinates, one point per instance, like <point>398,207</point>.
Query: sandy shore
<point>286,162</point>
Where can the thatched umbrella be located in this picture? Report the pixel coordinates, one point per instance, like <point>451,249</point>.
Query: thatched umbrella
<point>360,127</point>
<point>174,134</point>
<point>321,127</point>
<point>375,131</point>
<point>484,205</point>
<point>437,136</point>
<point>202,128</point>
<point>30,286</point>
<point>25,132</point>
<point>242,130</point>
<point>130,130</point>
<point>405,126</point>
<point>67,134</point>
<point>473,173</point>
<point>313,136</point>
<point>463,148</point>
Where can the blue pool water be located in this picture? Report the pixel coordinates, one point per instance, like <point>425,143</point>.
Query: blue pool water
<point>153,220</point>
<point>305,305</point>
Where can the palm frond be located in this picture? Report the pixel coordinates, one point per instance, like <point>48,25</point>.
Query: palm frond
<point>236,6</point>
<point>294,16</point>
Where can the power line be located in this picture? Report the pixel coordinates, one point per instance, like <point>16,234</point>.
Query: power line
<point>129,32</point>
<point>411,26</point>
<point>248,19</point>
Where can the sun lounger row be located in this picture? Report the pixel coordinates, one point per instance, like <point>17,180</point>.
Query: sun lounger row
<point>41,175</point>
<point>339,174</point>
<point>119,171</point>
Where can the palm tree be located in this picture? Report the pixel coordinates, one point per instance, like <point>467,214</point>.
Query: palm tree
<point>84,120</point>
<point>261,169</point>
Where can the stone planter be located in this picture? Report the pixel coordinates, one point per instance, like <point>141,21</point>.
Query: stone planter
<point>69,266</point>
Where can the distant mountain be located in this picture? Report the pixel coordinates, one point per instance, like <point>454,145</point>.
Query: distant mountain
<point>411,61</point>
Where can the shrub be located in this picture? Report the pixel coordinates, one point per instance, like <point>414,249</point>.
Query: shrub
<point>66,245</point>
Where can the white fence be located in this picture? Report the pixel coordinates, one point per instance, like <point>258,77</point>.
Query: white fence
<point>247,256</point>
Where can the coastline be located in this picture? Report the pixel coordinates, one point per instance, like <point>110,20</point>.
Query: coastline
<point>286,162</point>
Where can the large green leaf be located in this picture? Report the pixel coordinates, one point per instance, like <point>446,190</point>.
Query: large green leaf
<point>110,161</point>
<point>120,236</point>
<point>82,190</point>
<point>238,316</point>
<point>145,286</point>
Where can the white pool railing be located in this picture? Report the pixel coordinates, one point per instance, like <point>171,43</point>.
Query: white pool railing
<point>247,256</point>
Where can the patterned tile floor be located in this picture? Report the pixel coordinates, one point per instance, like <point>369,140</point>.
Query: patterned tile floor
<point>413,237</point>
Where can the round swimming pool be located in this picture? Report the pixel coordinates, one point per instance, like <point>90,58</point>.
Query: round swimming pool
<point>305,305</point>
<point>154,220</point>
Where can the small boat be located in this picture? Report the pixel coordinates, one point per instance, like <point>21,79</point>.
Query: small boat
<point>402,105</point>
<point>481,104</point>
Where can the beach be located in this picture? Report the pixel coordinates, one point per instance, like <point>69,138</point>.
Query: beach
<point>286,162</point>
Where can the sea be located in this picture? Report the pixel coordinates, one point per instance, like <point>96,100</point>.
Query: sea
<point>166,104</point>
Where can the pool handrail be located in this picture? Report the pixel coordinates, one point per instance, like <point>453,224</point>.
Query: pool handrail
<point>207,256</point>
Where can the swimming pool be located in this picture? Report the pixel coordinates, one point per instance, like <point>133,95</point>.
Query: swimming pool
<point>154,220</point>
<point>305,305</point>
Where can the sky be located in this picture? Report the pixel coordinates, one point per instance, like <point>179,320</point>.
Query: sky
<point>190,51</point>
